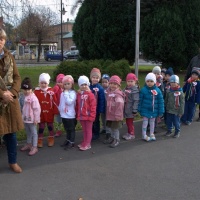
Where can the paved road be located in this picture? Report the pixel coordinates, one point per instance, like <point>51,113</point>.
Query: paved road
<point>166,169</point>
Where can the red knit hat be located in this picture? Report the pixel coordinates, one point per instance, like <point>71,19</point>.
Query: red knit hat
<point>131,77</point>
<point>115,79</point>
<point>95,72</point>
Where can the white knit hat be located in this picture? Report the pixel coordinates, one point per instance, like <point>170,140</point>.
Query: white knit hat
<point>83,80</point>
<point>151,76</point>
<point>156,70</point>
<point>44,77</point>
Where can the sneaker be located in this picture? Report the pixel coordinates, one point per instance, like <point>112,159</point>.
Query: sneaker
<point>108,140</point>
<point>177,135</point>
<point>115,143</point>
<point>87,147</point>
<point>188,123</point>
<point>168,133</point>
<point>50,141</point>
<point>125,135</point>
<point>80,145</point>
<point>146,138</point>
<point>69,146</point>
<point>103,132</point>
<point>58,133</point>
<point>26,147</point>
<point>65,143</point>
<point>40,142</point>
<point>152,137</point>
<point>129,137</point>
<point>33,151</point>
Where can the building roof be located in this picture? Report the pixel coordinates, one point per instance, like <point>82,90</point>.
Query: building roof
<point>68,35</point>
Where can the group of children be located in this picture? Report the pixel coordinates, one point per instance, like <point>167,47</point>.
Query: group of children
<point>161,97</point>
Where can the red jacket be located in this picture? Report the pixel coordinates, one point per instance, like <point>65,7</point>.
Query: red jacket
<point>48,104</point>
<point>86,106</point>
<point>57,90</point>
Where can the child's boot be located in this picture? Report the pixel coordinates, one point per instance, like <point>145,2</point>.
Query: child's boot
<point>40,142</point>
<point>50,141</point>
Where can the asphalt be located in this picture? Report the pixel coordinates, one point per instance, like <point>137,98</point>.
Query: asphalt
<point>166,169</point>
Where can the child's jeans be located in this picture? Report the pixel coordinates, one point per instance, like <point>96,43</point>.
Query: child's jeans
<point>173,120</point>
<point>151,121</point>
<point>31,132</point>
<point>87,132</point>
<point>189,112</point>
<point>69,125</point>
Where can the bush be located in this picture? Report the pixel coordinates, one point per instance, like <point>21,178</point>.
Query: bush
<point>78,68</point>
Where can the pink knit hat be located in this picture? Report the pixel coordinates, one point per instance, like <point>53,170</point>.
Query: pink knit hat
<point>95,72</point>
<point>68,78</point>
<point>59,77</point>
<point>131,77</point>
<point>115,79</point>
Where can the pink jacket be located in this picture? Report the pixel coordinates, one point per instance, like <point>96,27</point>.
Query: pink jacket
<point>115,105</point>
<point>57,90</point>
<point>86,106</point>
<point>31,109</point>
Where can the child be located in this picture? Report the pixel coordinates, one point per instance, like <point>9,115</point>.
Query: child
<point>174,102</point>
<point>31,116</point>
<point>86,111</point>
<point>114,109</point>
<point>98,91</point>
<point>192,96</point>
<point>131,104</point>
<point>151,105</point>
<point>58,88</point>
<point>105,83</point>
<point>159,78</point>
<point>48,103</point>
<point>67,110</point>
<point>163,71</point>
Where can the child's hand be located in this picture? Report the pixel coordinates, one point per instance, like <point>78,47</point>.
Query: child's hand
<point>35,123</point>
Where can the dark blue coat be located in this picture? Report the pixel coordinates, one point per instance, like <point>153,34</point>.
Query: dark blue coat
<point>98,91</point>
<point>148,106</point>
<point>192,91</point>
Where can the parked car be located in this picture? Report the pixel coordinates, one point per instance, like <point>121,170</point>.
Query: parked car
<point>54,55</point>
<point>72,54</point>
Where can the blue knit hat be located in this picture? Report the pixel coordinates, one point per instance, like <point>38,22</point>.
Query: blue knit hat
<point>105,76</point>
<point>174,79</point>
<point>169,71</point>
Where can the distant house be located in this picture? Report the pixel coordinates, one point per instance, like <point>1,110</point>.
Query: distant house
<point>67,34</point>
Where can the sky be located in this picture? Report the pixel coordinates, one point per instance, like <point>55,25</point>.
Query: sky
<point>16,13</point>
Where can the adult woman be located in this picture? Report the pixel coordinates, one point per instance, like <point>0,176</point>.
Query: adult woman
<point>10,114</point>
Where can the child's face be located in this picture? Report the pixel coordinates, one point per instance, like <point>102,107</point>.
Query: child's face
<point>43,85</point>
<point>84,87</point>
<point>113,86</point>
<point>27,92</point>
<point>194,76</point>
<point>150,83</point>
<point>60,84</point>
<point>163,75</point>
<point>105,83</point>
<point>174,84</point>
<point>95,79</point>
<point>167,77</point>
<point>157,74</point>
<point>67,85</point>
<point>130,83</point>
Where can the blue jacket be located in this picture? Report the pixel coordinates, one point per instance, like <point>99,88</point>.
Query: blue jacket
<point>192,91</point>
<point>98,91</point>
<point>150,105</point>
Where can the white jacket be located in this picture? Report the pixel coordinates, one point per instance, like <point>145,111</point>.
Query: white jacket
<point>67,104</point>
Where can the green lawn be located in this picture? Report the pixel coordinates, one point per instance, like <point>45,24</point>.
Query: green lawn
<point>34,72</point>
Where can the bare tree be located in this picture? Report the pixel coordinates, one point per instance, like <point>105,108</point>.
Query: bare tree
<point>37,23</point>
<point>76,5</point>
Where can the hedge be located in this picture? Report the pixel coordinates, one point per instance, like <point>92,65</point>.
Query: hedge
<point>78,68</point>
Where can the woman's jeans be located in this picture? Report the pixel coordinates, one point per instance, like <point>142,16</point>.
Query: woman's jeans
<point>11,144</point>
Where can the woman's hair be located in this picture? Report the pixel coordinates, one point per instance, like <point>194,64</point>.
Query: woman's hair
<point>3,34</point>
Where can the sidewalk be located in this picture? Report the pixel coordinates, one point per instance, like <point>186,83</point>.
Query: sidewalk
<point>166,169</point>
